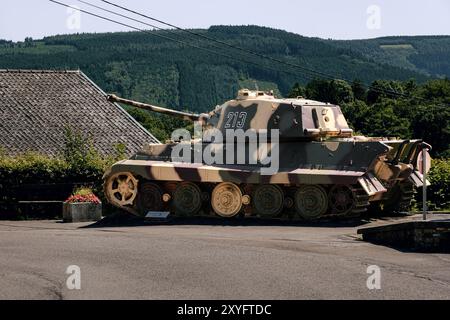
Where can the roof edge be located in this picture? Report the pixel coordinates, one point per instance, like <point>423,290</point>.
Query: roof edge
<point>118,106</point>
<point>37,71</point>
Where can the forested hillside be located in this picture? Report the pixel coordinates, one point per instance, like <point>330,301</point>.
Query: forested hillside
<point>151,68</point>
<point>145,67</point>
<point>426,54</point>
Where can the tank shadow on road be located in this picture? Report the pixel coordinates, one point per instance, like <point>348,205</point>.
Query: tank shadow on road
<point>127,220</point>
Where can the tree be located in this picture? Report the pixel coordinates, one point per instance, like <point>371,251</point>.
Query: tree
<point>29,42</point>
<point>118,79</point>
<point>318,90</point>
<point>384,89</point>
<point>297,91</point>
<point>356,114</point>
<point>436,90</point>
<point>381,120</point>
<point>359,91</point>
<point>432,124</point>
<point>340,92</point>
<point>332,91</point>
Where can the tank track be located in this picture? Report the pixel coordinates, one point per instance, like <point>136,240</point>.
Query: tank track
<point>407,194</point>
<point>401,199</point>
<point>360,205</point>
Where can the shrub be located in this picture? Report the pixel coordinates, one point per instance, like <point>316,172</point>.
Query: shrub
<point>79,152</point>
<point>31,168</point>
<point>83,194</point>
<point>439,191</point>
<point>78,164</point>
<point>83,191</point>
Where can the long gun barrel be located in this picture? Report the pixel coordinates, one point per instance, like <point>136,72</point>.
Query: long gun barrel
<point>179,114</point>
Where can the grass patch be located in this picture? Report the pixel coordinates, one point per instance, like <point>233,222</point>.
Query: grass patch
<point>36,48</point>
<point>397,46</point>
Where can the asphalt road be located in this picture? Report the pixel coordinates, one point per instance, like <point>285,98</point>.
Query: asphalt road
<point>209,260</point>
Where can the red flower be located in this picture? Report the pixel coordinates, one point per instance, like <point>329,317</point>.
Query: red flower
<point>77,198</point>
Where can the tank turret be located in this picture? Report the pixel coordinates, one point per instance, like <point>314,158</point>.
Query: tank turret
<point>294,118</point>
<point>258,110</point>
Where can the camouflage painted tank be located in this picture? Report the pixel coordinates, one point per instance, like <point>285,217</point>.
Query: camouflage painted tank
<point>323,169</point>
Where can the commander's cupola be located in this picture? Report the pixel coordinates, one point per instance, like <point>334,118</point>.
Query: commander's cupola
<point>246,94</point>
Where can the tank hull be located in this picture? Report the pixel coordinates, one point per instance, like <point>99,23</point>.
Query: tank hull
<point>359,172</point>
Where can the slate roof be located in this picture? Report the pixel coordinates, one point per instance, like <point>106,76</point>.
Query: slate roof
<point>36,106</point>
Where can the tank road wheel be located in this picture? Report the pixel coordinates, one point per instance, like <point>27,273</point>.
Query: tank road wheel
<point>226,199</point>
<point>348,201</point>
<point>121,188</point>
<point>187,198</point>
<point>311,201</point>
<point>149,198</point>
<point>268,200</point>
<point>342,200</point>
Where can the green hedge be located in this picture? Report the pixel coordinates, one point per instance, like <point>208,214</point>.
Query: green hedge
<point>439,192</point>
<point>33,168</point>
<point>79,163</point>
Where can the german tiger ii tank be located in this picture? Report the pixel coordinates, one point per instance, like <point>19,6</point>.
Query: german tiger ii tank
<point>258,155</point>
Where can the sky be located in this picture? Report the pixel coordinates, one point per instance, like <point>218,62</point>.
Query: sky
<point>344,19</point>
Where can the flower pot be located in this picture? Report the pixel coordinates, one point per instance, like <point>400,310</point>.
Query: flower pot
<point>82,211</point>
